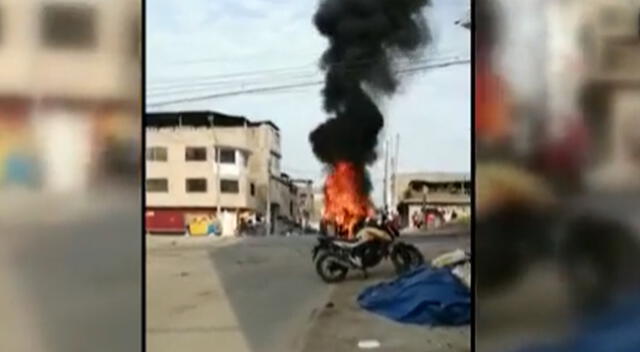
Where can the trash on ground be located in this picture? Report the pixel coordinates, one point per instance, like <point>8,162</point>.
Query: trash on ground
<point>450,258</point>
<point>463,273</point>
<point>368,344</point>
<point>424,296</point>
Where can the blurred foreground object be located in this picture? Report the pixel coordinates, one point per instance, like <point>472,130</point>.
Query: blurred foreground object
<point>501,184</point>
<point>69,160</point>
<point>615,330</point>
<point>69,94</point>
<point>557,181</point>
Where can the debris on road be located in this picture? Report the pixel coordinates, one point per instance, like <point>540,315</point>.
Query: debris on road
<point>368,344</point>
<point>450,258</point>
<point>459,262</point>
<point>463,273</point>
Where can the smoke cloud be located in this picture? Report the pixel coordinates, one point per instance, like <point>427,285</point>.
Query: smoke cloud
<point>366,37</point>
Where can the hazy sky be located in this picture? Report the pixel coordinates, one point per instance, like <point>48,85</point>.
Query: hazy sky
<point>199,47</point>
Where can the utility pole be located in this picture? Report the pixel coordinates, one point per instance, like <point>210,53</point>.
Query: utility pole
<point>386,175</point>
<point>392,177</point>
<point>216,164</point>
<point>394,196</point>
<point>268,219</point>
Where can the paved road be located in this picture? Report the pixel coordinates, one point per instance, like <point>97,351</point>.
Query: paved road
<point>261,292</point>
<point>254,294</point>
<point>71,272</point>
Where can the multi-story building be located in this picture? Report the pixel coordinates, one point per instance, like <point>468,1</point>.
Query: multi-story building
<point>318,207</point>
<point>202,164</point>
<point>69,91</point>
<point>305,200</point>
<point>448,193</point>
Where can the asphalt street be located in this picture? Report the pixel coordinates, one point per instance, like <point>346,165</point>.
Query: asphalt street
<point>255,294</point>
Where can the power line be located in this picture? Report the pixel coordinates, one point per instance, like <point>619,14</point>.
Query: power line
<point>310,66</point>
<point>236,74</point>
<point>186,87</point>
<point>206,87</point>
<point>295,85</point>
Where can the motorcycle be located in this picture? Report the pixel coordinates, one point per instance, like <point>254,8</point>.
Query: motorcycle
<point>334,257</point>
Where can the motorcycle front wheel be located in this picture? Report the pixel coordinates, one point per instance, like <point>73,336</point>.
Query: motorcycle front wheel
<point>329,269</point>
<point>406,257</point>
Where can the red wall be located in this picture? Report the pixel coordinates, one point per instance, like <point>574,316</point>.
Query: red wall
<point>167,221</point>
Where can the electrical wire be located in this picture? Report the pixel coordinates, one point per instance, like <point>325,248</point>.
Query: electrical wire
<point>309,66</point>
<point>289,86</point>
<point>194,88</point>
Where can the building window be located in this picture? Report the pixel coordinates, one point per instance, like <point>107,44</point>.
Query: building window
<point>157,154</point>
<point>227,156</point>
<point>195,154</point>
<point>196,185</point>
<point>252,188</point>
<point>275,166</point>
<point>157,185</point>
<point>68,26</point>
<point>229,186</point>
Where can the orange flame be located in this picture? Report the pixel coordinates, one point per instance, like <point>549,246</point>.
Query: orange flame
<point>345,203</point>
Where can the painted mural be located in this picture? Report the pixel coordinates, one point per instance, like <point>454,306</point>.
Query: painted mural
<point>18,157</point>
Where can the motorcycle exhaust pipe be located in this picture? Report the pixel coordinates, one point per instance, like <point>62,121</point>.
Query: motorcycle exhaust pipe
<point>341,262</point>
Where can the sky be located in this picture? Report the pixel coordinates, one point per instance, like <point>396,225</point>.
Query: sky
<point>199,48</point>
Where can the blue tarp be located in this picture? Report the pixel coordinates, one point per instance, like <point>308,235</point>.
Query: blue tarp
<point>424,296</point>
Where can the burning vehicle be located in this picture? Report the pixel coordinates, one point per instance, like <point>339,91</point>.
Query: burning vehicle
<point>366,37</point>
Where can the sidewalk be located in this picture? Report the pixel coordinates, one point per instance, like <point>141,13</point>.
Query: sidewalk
<point>187,306</point>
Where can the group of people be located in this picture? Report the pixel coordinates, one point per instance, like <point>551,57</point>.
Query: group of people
<point>432,218</point>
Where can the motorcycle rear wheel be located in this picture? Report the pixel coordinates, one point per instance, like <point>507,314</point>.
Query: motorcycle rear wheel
<point>329,270</point>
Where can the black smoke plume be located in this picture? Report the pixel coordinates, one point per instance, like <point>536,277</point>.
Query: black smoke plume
<point>365,39</point>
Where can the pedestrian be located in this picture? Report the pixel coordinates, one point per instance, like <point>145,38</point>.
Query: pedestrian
<point>416,219</point>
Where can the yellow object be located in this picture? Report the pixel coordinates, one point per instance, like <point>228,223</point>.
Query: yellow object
<point>199,227</point>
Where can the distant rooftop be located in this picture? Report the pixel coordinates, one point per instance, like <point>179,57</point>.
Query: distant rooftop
<point>200,119</point>
<point>436,176</point>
